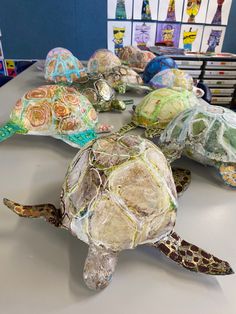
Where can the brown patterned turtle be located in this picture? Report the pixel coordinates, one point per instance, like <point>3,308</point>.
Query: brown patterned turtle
<point>119,193</point>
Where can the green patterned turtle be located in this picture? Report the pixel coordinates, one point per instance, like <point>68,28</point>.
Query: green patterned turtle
<point>119,193</point>
<point>158,108</point>
<point>207,134</point>
<point>57,111</point>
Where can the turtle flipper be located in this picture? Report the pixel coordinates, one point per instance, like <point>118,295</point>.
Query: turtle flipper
<point>182,178</point>
<point>99,267</point>
<point>192,257</point>
<point>153,132</point>
<point>9,129</point>
<point>228,174</point>
<point>126,128</point>
<point>48,211</point>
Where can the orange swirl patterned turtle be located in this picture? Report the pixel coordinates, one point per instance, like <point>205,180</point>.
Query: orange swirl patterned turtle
<point>119,193</point>
<point>56,111</point>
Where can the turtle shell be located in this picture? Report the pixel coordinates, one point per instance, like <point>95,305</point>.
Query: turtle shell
<point>54,110</point>
<point>62,66</point>
<point>122,75</point>
<point>159,107</point>
<point>206,133</point>
<point>172,78</point>
<point>157,65</point>
<point>118,193</point>
<point>102,60</point>
<point>135,58</point>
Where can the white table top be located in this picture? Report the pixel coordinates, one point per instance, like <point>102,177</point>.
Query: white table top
<point>41,266</point>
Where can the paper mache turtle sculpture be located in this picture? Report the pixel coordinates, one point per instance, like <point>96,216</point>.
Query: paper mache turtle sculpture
<point>135,58</point>
<point>101,61</point>
<point>158,108</point>
<point>157,65</point>
<point>175,78</point>
<point>56,111</point>
<point>119,193</point>
<point>62,66</point>
<point>207,134</point>
<point>123,78</point>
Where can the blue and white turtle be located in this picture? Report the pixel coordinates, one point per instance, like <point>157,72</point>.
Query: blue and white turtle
<point>206,134</point>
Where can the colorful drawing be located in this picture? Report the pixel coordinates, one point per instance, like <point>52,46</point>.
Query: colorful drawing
<point>146,10</point>
<point>214,40</point>
<point>218,15</point>
<point>142,35</point>
<point>171,12</point>
<point>120,10</point>
<point>188,38</point>
<point>2,68</point>
<point>168,34</point>
<point>11,68</point>
<point>119,34</point>
<point>193,7</point>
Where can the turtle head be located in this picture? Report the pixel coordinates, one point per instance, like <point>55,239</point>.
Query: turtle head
<point>119,105</point>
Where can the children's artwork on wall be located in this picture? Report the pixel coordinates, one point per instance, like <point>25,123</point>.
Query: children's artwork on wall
<point>218,12</point>
<point>195,11</point>
<point>118,34</point>
<point>144,34</point>
<point>145,9</point>
<point>120,9</point>
<point>191,37</point>
<point>170,10</point>
<point>213,38</point>
<point>10,68</point>
<point>2,68</point>
<point>168,33</point>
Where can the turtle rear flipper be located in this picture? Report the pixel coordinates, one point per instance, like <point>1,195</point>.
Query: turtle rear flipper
<point>182,178</point>
<point>192,257</point>
<point>9,129</point>
<point>228,174</point>
<point>48,211</point>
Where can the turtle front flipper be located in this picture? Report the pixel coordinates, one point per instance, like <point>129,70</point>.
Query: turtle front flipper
<point>9,129</point>
<point>99,267</point>
<point>48,211</point>
<point>228,174</point>
<point>182,178</point>
<point>192,257</point>
<point>126,128</point>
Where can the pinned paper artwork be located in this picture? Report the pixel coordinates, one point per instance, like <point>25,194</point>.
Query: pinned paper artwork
<point>2,67</point>
<point>195,11</point>
<point>11,68</point>
<point>119,35</point>
<point>191,37</point>
<point>168,34</point>
<point>120,9</point>
<point>105,204</point>
<point>170,11</point>
<point>145,10</point>
<point>218,12</point>
<point>144,35</point>
<point>213,38</point>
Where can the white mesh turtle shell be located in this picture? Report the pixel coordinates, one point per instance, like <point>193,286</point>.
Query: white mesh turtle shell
<point>102,60</point>
<point>119,193</point>
<point>62,66</point>
<point>158,108</point>
<point>56,111</point>
<point>207,134</point>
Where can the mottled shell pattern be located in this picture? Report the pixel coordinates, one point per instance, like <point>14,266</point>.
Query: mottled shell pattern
<point>54,110</point>
<point>62,66</point>
<point>172,78</point>
<point>205,133</point>
<point>157,65</point>
<point>118,193</point>
<point>102,60</point>
<point>135,58</point>
<point>122,75</point>
<point>159,107</point>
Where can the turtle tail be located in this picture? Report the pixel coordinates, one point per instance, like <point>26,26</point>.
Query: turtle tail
<point>9,129</point>
<point>48,211</point>
<point>192,257</point>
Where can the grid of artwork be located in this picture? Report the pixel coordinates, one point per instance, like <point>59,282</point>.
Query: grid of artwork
<point>195,25</point>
